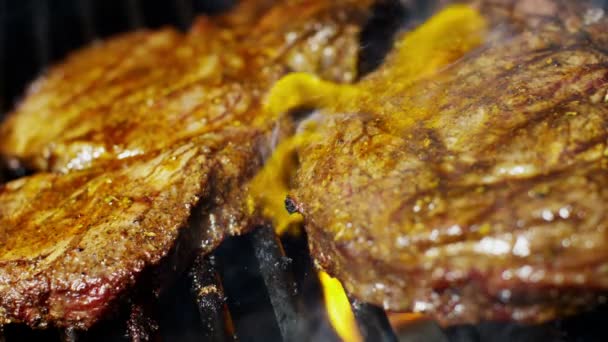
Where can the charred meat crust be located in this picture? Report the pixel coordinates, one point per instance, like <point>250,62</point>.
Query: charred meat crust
<point>161,126</point>
<point>493,206</point>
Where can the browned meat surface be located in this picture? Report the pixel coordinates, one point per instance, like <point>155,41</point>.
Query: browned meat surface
<point>144,130</point>
<point>117,99</point>
<point>72,243</point>
<point>473,188</point>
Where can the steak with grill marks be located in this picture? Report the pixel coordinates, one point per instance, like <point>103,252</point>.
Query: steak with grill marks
<point>117,99</point>
<point>469,184</point>
<point>133,135</point>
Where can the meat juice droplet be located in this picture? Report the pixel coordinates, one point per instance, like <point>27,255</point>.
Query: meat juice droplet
<point>524,272</point>
<point>564,212</point>
<point>420,306</point>
<point>521,247</point>
<point>492,246</point>
<point>593,15</point>
<point>403,241</point>
<point>454,230</point>
<point>547,215</point>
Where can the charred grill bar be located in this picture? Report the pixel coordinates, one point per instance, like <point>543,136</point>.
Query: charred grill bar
<point>373,322</point>
<point>274,267</point>
<point>209,297</point>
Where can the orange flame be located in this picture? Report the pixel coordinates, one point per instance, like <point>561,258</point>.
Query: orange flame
<point>338,309</point>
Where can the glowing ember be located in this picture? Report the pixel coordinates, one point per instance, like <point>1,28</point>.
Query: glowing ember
<point>338,309</point>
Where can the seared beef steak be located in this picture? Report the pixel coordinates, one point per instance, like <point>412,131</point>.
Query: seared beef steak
<point>145,90</point>
<point>135,133</point>
<point>473,190</point>
<point>72,243</point>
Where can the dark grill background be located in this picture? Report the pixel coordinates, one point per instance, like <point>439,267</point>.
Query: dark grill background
<point>34,33</point>
<point>267,288</point>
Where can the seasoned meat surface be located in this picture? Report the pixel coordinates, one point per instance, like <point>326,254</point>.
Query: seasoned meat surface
<point>143,147</point>
<point>467,177</point>
<point>104,101</point>
<point>72,243</point>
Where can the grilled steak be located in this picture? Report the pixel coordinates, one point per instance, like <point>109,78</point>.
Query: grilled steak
<point>132,136</point>
<point>469,185</point>
<point>73,243</point>
<point>104,102</point>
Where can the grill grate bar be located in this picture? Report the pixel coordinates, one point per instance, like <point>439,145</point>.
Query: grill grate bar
<point>2,52</point>
<point>134,14</point>
<point>185,13</point>
<point>423,330</point>
<point>41,23</point>
<point>275,270</point>
<point>372,322</point>
<point>69,335</point>
<point>142,324</point>
<point>209,297</point>
<point>87,21</point>
<point>247,295</point>
<point>313,321</point>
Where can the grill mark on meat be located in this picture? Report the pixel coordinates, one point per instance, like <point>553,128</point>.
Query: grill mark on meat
<point>539,116</point>
<point>516,189</point>
<point>76,241</point>
<point>499,186</point>
<point>102,78</point>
